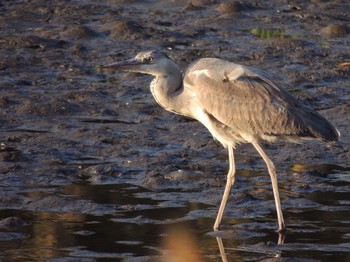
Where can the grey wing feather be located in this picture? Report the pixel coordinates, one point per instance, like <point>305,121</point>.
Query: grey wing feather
<point>245,100</point>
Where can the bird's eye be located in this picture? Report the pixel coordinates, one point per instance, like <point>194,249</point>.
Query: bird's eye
<point>149,59</point>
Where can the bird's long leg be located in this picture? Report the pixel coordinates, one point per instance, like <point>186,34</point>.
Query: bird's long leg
<point>230,181</point>
<point>272,171</point>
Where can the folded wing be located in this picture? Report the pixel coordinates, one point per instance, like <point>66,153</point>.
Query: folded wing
<point>246,101</point>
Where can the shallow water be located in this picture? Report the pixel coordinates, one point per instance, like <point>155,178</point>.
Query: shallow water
<point>129,222</point>
<point>93,170</point>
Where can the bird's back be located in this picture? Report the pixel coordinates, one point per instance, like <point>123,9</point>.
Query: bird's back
<point>243,101</point>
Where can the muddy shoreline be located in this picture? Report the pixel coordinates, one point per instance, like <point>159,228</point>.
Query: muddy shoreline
<point>65,124</point>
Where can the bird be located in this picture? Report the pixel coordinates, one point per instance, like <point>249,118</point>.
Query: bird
<point>236,103</point>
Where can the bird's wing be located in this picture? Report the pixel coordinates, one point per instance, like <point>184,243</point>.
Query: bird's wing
<point>244,99</point>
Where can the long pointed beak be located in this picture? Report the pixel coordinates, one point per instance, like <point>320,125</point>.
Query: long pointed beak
<point>127,65</point>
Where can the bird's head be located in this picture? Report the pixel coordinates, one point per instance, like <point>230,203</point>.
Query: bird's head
<point>148,62</point>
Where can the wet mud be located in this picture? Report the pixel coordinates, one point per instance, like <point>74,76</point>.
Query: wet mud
<point>93,170</point>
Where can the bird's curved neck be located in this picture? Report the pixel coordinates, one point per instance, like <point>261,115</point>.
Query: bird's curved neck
<point>166,89</point>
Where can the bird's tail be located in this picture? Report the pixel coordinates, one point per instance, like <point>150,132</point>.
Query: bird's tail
<point>320,127</point>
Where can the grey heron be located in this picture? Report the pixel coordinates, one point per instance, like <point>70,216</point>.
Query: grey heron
<point>236,103</point>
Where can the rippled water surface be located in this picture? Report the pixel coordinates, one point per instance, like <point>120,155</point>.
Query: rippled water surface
<point>129,222</point>
<point>91,169</point>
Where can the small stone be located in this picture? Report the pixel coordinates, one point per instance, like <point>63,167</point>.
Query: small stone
<point>335,30</point>
<point>229,7</point>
